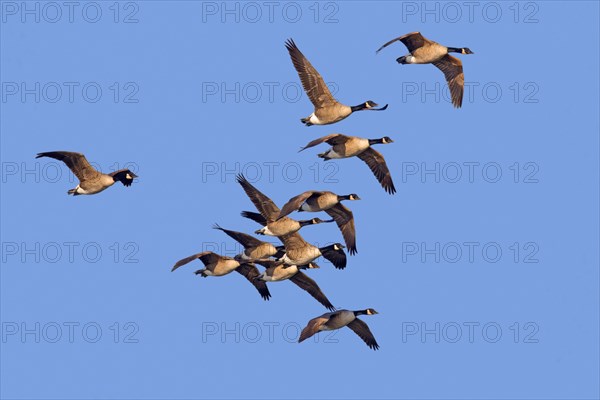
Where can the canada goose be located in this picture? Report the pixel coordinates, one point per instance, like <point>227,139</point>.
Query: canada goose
<point>270,212</point>
<point>253,248</point>
<point>338,319</point>
<point>91,181</point>
<point>350,146</point>
<point>299,252</point>
<point>217,265</point>
<point>314,201</point>
<point>425,51</point>
<point>327,109</point>
<point>302,252</point>
<point>278,271</point>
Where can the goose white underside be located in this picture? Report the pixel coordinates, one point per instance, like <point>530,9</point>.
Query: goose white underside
<point>208,272</point>
<point>266,231</point>
<point>80,190</point>
<point>308,208</point>
<point>332,154</point>
<point>223,272</point>
<point>410,59</point>
<point>312,118</point>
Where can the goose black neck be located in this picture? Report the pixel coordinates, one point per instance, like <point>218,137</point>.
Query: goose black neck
<point>118,176</point>
<point>344,197</point>
<point>455,50</point>
<point>327,248</point>
<point>359,107</point>
<point>375,141</point>
<point>360,312</point>
<point>306,222</point>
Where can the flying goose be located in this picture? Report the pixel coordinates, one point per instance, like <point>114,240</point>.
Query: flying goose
<point>91,181</point>
<point>278,271</point>
<point>300,252</point>
<point>350,146</point>
<point>338,319</point>
<point>314,201</point>
<point>425,51</point>
<point>270,212</point>
<point>217,265</point>
<point>253,248</point>
<point>327,109</point>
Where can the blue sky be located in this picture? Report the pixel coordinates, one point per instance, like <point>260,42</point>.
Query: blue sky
<point>483,267</point>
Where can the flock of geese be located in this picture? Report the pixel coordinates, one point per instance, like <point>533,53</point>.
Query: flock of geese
<point>287,261</point>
